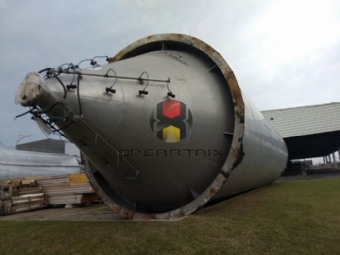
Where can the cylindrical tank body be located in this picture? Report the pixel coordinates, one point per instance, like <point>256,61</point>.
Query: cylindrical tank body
<point>175,133</point>
<point>15,163</point>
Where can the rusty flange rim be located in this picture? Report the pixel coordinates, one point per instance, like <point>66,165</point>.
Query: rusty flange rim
<point>235,153</point>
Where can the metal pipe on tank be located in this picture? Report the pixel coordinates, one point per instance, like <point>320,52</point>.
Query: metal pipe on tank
<point>164,127</point>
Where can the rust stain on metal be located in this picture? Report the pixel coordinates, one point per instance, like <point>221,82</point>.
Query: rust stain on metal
<point>146,216</point>
<point>239,157</point>
<point>225,174</point>
<point>124,213</point>
<point>213,191</point>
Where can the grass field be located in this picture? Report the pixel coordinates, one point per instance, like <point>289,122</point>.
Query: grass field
<point>301,217</point>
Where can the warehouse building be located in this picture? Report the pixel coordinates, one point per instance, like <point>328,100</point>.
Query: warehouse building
<point>309,131</point>
<point>50,146</point>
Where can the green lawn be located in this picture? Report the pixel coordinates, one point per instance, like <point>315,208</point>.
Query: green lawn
<point>301,217</point>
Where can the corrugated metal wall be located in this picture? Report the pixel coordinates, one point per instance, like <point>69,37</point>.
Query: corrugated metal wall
<point>306,120</point>
<point>46,145</point>
<point>71,149</point>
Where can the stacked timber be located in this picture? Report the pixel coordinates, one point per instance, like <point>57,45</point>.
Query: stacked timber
<point>29,193</point>
<point>21,196</point>
<point>68,189</point>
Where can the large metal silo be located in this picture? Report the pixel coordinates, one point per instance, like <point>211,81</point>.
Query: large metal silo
<point>163,126</point>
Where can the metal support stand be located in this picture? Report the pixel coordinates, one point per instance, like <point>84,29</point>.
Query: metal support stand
<point>334,161</point>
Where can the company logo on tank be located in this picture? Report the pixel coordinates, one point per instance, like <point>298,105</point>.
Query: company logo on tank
<point>171,121</point>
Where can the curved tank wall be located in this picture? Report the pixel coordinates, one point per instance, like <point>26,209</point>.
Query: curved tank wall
<point>164,127</point>
<point>14,163</point>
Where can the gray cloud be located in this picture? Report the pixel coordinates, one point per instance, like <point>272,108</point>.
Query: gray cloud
<point>278,62</point>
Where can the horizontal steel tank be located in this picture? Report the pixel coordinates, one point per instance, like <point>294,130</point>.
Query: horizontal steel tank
<point>15,163</point>
<point>163,126</point>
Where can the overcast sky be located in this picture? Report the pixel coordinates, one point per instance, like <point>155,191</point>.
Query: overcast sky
<point>284,53</point>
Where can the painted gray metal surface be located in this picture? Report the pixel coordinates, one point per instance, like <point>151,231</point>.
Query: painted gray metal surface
<point>14,163</point>
<point>164,186</point>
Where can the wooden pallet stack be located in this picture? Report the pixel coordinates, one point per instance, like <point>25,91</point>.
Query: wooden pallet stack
<point>21,196</point>
<point>68,189</point>
<point>29,193</point>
